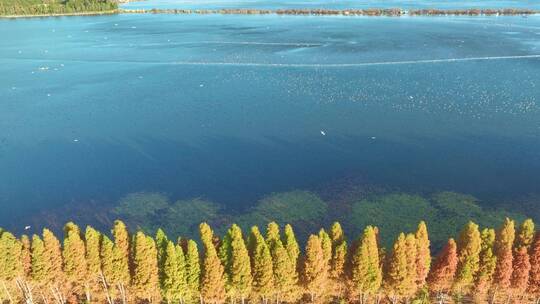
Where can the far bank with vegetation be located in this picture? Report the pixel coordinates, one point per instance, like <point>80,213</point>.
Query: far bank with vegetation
<point>41,8</point>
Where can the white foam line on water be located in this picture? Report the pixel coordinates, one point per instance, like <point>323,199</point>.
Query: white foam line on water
<point>255,43</point>
<point>290,65</point>
<point>344,65</point>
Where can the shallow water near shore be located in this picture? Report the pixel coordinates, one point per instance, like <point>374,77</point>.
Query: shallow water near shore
<point>232,108</point>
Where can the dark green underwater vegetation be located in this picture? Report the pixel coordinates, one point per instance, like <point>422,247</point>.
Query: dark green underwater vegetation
<point>445,212</point>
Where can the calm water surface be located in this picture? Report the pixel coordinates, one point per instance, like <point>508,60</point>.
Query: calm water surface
<point>231,108</point>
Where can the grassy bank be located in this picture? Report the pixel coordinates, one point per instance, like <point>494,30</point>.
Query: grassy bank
<point>98,13</point>
<point>45,8</point>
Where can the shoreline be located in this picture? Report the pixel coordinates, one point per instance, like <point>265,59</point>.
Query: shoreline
<point>113,12</point>
<point>389,12</point>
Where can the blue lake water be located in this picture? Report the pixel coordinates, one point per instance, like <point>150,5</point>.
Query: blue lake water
<point>232,108</point>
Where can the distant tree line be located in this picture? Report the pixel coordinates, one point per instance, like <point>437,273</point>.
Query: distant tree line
<point>485,265</point>
<point>48,7</point>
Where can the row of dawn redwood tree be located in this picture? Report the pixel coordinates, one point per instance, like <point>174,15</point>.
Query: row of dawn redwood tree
<point>482,266</point>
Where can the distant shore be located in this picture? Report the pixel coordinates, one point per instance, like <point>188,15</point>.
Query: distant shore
<point>393,12</point>
<point>390,12</point>
<point>113,12</point>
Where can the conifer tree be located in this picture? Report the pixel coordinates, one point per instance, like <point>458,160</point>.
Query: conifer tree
<point>366,273</point>
<point>92,239</point>
<point>314,271</point>
<point>423,261</point>
<point>339,251</point>
<point>240,265</point>
<point>272,232</point>
<point>122,243</point>
<point>235,259</point>
<point>10,257</point>
<point>520,275</point>
<point>10,264</point>
<point>326,244</point>
<point>339,257</point>
<point>93,258</point>
<point>290,243</point>
<point>212,276</point>
<point>488,262</point>
<point>503,250</point>
<point>262,268</point>
<point>182,279</point>
<point>108,261</point>
<point>145,273</point>
<point>525,235</point>
<point>441,276</point>
<point>112,278</point>
<point>397,281</point>
<point>225,256</point>
<point>52,256</point>
<point>26,257</point>
<point>74,254</point>
<point>162,241</point>
<point>39,267</point>
<point>193,271</point>
<point>469,246</point>
<point>412,259</point>
<point>285,276</point>
<point>170,279</point>
<point>534,275</point>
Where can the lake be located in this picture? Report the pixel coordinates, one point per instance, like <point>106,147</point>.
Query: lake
<point>232,108</point>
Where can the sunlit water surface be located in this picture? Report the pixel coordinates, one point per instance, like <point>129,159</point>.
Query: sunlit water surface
<point>232,108</point>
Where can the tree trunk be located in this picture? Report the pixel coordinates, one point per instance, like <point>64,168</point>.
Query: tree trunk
<point>7,292</point>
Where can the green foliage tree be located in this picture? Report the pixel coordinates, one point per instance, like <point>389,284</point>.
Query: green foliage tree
<point>262,268</point>
<point>74,254</point>
<point>93,256</point>
<point>488,262</point>
<point>145,272</point>
<point>397,282</point>
<point>170,278</point>
<point>469,246</point>
<point>291,244</point>
<point>339,257</point>
<point>10,257</point>
<point>525,235</point>
<point>39,266</point>
<point>122,243</point>
<point>193,271</point>
<point>366,273</point>
<point>184,293</point>
<point>315,270</point>
<point>285,276</point>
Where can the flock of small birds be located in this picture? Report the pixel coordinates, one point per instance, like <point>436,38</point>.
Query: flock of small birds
<point>432,88</point>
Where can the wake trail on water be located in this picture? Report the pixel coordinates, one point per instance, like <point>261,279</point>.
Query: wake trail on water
<point>289,65</point>
<point>361,64</point>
